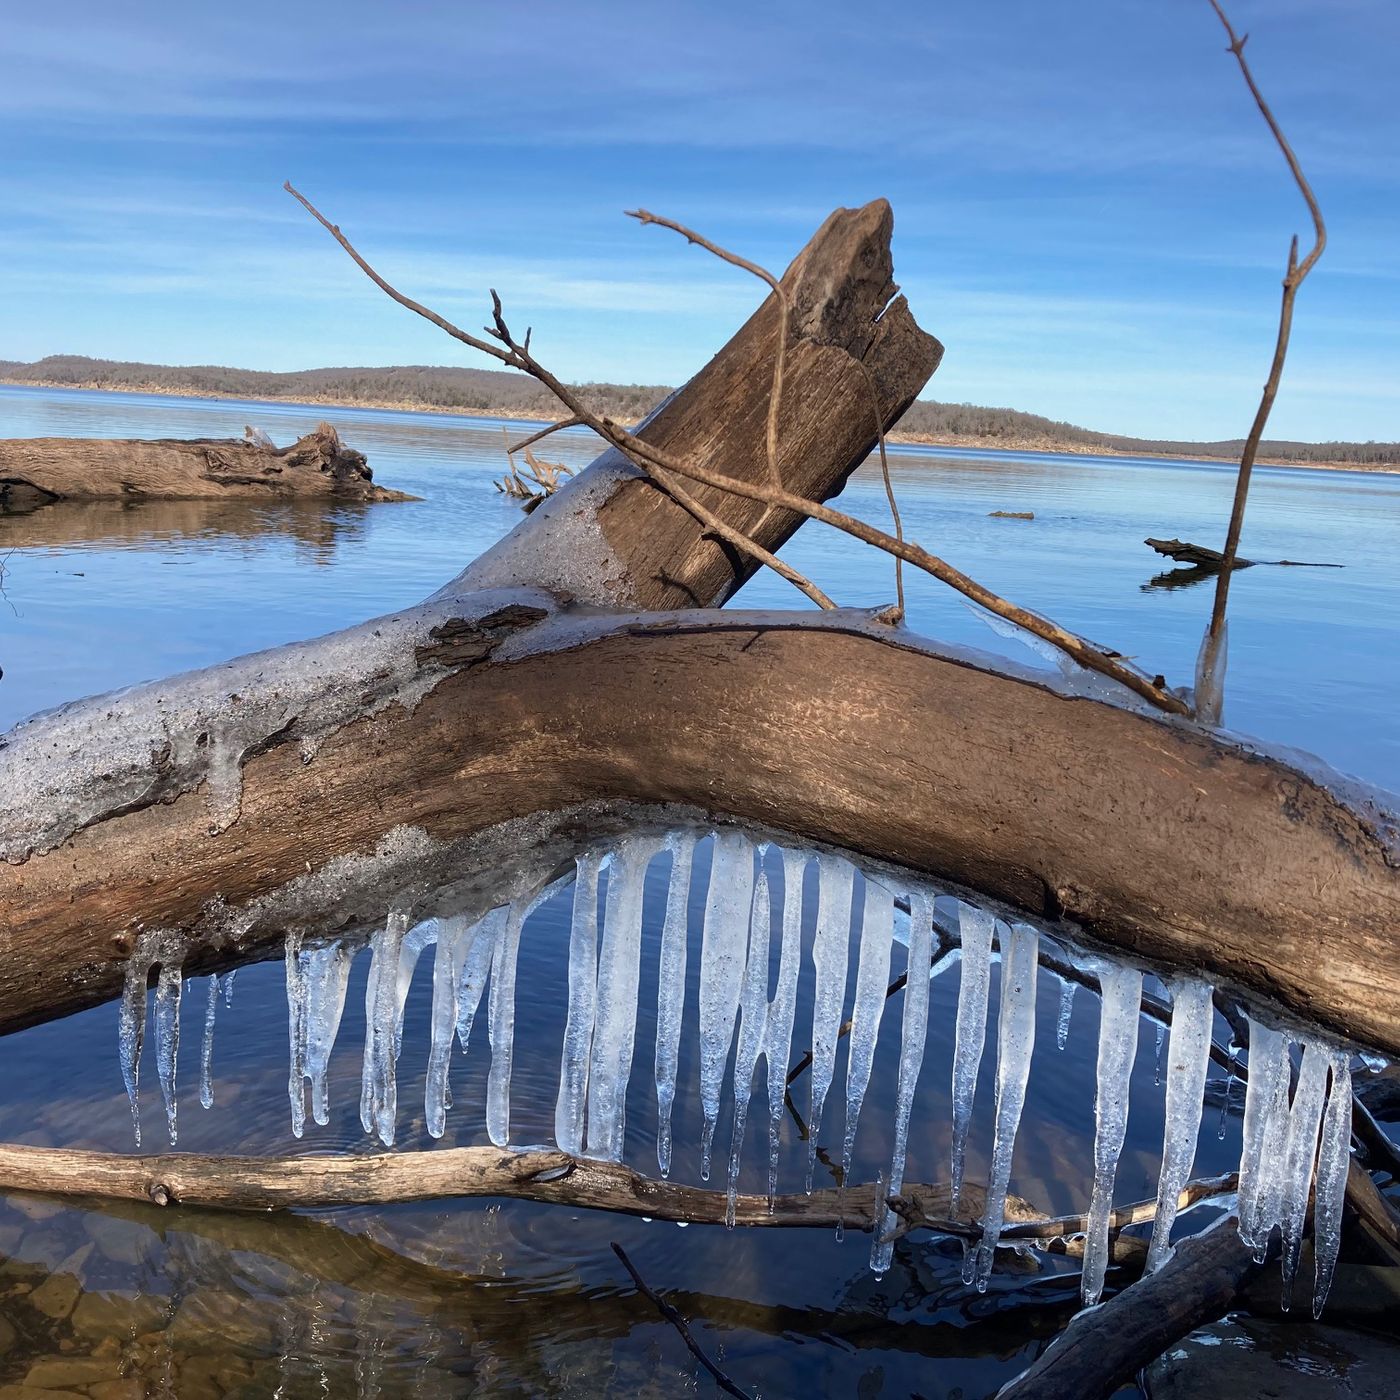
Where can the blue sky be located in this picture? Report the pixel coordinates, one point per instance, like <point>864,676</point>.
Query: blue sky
<point>1089,211</point>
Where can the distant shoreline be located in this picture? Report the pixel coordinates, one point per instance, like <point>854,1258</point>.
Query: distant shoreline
<point>994,444</point>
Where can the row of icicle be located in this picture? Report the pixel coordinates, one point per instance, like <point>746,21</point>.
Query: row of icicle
<point>1282,1124</point>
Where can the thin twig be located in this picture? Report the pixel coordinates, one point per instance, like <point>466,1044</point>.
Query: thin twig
<point>679,1323</point>
<point>573,421</point>
<point>1293,279</point>
<point>784,319</point>
<point>889,485</point>
<point>651,458</point>
<point>714,525</point>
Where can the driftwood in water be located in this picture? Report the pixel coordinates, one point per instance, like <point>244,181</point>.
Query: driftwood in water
<point>1211,561</point>
<point>38,471</point>
<point>1105,1347</point>
<point>192,805</point>
<point>1196,555</point>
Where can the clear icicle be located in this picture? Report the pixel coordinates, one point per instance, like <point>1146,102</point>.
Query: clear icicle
<point>975,930</point>
<point>1188,1059</point>
<point>830,954</point>
<point>753,1024</point>
<point>1066,1012</point>
<point>131,1028</point>
<point>583,1001</point>
<point>615,1024</point>
<point>454,933</point>
<point>378,1086</point>
<point>872,982</point>
<point>167,1014</point>
<point>1157,1056</point>
<point>777,1037</point>
<point>1015,1043</point>
<point>911,1058</point>
<point>326,977</point>
<point>1304,1121</point>
<point>228,987</point>
<point>1121,989</point>
<point>206,1050</point>
<point>500,1022</point>
<point>296,1032</point>
<point>1265,1104</point>
<point>670,989</point>
<point>1333,1162</point>
<point>722,947</point>
<point>476,968</point>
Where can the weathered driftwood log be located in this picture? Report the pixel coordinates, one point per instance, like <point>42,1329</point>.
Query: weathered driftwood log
<point>1104,1347</point>
<point>38,471</point>
<point>196,805</point>
<point>1155,837</point>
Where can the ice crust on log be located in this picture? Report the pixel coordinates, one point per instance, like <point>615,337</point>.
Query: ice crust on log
<point>149,748</point>
<point>754,913</point>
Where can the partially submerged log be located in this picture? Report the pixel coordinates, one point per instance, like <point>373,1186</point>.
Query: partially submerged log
<point>39,471</point>
<point>310,785</point>
<point>1195,554</point>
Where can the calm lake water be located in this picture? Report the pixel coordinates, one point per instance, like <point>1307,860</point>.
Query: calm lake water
<point>517,1299</point>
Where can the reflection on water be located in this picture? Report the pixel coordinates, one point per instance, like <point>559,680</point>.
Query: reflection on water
<point>315,527</point>
<point>413,1300</point>
<point>679,944</point>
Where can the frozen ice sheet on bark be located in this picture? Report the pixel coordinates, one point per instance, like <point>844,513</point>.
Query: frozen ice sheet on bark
<point>560,545</point>
<point>68,767</point>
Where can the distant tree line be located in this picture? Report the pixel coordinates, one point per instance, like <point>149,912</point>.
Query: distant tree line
<point>508,394</point>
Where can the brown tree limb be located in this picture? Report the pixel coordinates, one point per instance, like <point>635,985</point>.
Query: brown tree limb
<point>1293,279</point>
<point>1104,1347</point>
<point>650,457</point>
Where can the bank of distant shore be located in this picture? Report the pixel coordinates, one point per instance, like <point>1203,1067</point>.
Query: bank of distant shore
<point>1000,440</point>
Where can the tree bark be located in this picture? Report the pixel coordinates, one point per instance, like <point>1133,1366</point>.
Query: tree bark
<point>834,728</point>
<point>1104,1347</point>
<point>40,471</point>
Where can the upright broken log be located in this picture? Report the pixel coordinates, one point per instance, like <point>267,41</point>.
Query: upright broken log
<point>39,471</point>
<point>507,701</point>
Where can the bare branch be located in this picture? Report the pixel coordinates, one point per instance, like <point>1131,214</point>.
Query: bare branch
<point>784,320</point>
<point>741,541</point>
<point>441,322</point>
<point>889,485</point>
<point>1293,279</point>
<point>572,421</point>
<point>652,459</point>
<point>679,1323</point>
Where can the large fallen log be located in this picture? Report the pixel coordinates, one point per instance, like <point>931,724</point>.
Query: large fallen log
<point>227,804</point>
<point>39,471</point>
